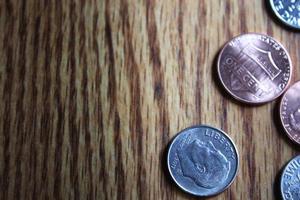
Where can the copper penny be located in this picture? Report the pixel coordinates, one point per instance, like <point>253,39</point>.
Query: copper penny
<point>254,68</point>
<point>290,112</point>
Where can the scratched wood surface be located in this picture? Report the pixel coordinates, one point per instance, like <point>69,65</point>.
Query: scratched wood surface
<point>93,91</point>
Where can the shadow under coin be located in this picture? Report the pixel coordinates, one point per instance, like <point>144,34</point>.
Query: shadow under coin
<point>276,185</point>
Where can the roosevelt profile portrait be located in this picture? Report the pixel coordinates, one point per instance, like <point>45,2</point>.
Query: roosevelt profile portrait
<point>202,163</point>
<point>295,119</point>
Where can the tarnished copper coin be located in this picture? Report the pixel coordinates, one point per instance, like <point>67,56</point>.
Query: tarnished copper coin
<point>290,112</point>
<point>254,68</point>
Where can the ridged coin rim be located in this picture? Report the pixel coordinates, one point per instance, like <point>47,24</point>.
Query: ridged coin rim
<point>210,127</point>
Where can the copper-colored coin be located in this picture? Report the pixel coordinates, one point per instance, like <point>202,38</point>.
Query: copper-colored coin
<point>254,68</point>
<point>290,112</point>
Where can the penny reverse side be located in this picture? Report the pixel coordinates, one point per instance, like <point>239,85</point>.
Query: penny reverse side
<point>254,68</point>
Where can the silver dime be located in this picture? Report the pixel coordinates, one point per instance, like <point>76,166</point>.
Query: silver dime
<point>288,11</point>
<point>203,160</point>
<point>290,180</point>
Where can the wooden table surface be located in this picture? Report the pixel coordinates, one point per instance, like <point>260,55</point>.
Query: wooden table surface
<point>93,91</point>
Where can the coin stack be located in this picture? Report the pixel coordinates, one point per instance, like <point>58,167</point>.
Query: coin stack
<point>254,69</point>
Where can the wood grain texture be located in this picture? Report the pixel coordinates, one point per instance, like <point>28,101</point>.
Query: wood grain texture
<point>93,91</point>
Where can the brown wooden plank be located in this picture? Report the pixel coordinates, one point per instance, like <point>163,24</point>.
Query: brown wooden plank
<point>93,91</point>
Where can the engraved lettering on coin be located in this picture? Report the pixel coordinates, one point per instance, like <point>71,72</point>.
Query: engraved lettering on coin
<point>288,11</point>
<point>290,180</point>
<point>249,65</point>
<point>254,68</point>
<point>204,164</point>
<point>202,160</point>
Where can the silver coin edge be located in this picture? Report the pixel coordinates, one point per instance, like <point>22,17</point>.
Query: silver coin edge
<point>280,18</point>
<point>281,177</point>
<point>231,141</point>
<point>244,100</point>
